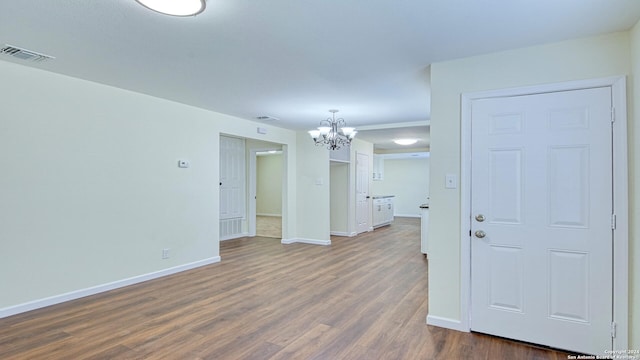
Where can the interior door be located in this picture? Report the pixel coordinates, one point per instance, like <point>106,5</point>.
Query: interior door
<point>232,187</point>
<point>541,245</point>
<point>363,211</point>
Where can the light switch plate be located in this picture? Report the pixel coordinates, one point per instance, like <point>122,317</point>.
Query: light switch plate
<point>183,163</point>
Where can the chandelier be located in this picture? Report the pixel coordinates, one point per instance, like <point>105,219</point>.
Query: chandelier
<point>333,132</point>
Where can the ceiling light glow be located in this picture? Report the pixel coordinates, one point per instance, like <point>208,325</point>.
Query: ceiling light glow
<point>175,7</point>
<point>405,141</point>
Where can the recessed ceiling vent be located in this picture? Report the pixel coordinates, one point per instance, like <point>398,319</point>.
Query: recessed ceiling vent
<point>24,54</point>
<point>266,118</point>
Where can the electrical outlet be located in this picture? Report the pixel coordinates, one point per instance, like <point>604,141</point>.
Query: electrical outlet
<point>450,181</point>
<point>165,253</point>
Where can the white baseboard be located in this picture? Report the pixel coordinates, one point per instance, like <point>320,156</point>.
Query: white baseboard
<point>306,241</point>
<point>408,215</point>
<point>446,323</point>
<point>340,233</point>
<point>57,299</point>
<point>267,214</point>
<point>234,236</point>
<point>349,234</point>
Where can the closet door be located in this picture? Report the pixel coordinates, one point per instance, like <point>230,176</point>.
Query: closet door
<point>232,187</point>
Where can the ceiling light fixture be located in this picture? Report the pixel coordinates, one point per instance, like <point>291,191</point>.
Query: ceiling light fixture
<point>405,141</point>
<point>333,132</point>
<point>175,7</point>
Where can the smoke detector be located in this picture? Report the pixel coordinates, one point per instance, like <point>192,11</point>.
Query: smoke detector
<point>24,54</point>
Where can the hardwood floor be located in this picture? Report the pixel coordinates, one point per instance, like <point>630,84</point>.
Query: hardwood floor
<point>360,298</point>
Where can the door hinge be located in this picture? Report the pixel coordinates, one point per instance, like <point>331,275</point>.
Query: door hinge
<point>613,115</point>
<point>613,221</point>
<point>613,329</point>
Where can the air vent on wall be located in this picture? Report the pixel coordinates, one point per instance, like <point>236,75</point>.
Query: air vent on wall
<point>24,54</point>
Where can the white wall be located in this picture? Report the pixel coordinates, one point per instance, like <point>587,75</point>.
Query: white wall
<point>313,193</point>
<point>408,180</point>
<point>340,194</point>
<point>565,61</point>
<point>90,191</point>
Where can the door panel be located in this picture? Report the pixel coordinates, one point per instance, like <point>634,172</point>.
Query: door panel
<point>541,267</point>
<point>505,200</point>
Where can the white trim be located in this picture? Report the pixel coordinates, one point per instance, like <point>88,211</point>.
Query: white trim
<point>621,209</point>
<point>252,191</point>
<point>446,323</point>
<point>306,241</point>
<point>465,211</point>
<point>269,215</point>
<point>407,215</point>
<point>235,236</point>
<point>620,195</point>
<point>340,233</point>
<point>73,295</point>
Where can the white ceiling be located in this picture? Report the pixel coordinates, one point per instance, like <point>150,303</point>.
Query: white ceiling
<point>293,59</point>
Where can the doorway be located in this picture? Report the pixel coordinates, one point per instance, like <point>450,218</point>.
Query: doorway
<point>268,193</point>
<point>535,231</point>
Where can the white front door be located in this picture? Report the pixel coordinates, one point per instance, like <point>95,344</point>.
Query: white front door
<point>362,193</point>
<point>541,193</point>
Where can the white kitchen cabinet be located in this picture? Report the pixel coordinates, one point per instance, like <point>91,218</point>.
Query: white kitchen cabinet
<point>382,210</point>
<point>378,167</point>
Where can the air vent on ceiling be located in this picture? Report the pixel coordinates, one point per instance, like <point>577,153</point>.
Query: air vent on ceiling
<point>24,54</point>
<point>266,118</point>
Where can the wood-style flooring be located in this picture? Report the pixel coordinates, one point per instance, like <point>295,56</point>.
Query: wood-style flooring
<point>360,298</point>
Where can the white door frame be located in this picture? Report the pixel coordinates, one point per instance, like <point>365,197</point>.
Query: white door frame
<point>620,196</point>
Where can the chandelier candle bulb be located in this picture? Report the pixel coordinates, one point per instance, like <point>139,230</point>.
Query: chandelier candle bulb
<point>315,134</point>
<point>347,131</point>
